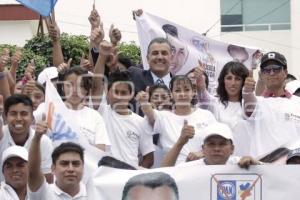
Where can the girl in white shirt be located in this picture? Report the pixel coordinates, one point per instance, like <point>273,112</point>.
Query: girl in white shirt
<point>170,123</point>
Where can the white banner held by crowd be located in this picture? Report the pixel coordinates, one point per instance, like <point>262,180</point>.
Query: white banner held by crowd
<point>189,47</point>
<point>202,182</point>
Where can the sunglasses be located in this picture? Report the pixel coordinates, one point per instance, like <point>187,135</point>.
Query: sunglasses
<point>272,68</point>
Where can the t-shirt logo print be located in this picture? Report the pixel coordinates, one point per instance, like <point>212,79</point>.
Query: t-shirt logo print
<point>132,136</point>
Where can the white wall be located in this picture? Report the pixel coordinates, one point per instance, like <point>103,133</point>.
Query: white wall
<point>17,32</point>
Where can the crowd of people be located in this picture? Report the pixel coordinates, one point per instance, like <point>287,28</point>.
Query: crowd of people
<point>140,118</point>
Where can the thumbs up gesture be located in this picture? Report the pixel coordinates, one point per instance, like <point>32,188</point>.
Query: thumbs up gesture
<point>41,127</point>
<point>249,85</point>
<point>143,96</point>
<point>187,132</point>
<point>114,35</point>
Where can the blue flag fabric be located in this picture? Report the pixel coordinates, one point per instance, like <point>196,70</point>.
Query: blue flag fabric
<point>43,7</point>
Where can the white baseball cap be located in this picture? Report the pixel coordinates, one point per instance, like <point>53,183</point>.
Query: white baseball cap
<point>292,86</point>
<point>14,151</point>
<point>220,129</point>
<point>47,74</point>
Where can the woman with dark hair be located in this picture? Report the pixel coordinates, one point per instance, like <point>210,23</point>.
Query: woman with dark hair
<point>228,107</point>
<point>184,118</point>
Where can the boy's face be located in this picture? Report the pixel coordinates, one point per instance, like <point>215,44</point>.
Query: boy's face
<point>119,95</point>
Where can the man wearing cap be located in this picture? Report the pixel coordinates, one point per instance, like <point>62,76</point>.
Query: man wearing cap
<point>15,171</point>
<point>293,157</point>
<point>272,121</point>
<point>273,74</point>
<point>217,148</point>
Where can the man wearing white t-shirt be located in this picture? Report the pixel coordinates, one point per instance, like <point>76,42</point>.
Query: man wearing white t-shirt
<point>274,120</point>
<point>67,167</point>
<point>217,148</point>
<point>15,170</point>
<point>18,112</point>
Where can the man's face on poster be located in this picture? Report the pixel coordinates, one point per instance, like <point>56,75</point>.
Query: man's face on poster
<point>140,192</point>
<point>179,54</point>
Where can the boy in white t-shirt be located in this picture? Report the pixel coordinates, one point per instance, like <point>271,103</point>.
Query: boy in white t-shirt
<point>126,130</point>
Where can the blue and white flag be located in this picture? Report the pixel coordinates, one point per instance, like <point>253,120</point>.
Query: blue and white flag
<point>43,7</point>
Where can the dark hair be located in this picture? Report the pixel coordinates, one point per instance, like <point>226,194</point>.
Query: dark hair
<point>67,147</point>
<point>109,161</point>
<point>124,60</point>
<point>40,87</point>
<point>179,78</point>
<point>237,69</point>
<point>159,40</point>
<point>79,71</point>
<point>158,86</point>
<point>170,29</point>
<point>166,89</point>
<point>120,76</point>
<point>151,180</point>
<point>16,99</point>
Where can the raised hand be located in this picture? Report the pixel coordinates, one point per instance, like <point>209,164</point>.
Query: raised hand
<point>249,85</point>
<point>97,35</point>
<point>187,132</point>
<point>16,58</point>
<point>143,97</point>
<point>94,18</point>
<point>4,59</point>
<point>114,35</point>
<point>85,63</point>
<point>53,29</point>
<point>64,66</point>
<point>138,13</point>
<point>41,127</point>
<point>106,48</point>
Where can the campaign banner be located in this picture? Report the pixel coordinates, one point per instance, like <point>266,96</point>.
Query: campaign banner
<point>190,47</point>
<point>197,182</point>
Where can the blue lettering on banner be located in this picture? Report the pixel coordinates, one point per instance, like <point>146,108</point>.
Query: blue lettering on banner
<point>61,130</point>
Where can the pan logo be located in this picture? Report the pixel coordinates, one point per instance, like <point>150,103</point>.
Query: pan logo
<point>236,187</point>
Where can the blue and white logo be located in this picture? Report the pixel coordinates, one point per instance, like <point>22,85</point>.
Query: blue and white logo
<point>226,190</point>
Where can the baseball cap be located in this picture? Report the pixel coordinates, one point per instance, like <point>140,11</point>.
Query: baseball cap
<point>292,86</point>
<point>274,56</point>
<point>14,151</point>
<point>293,153</point>
<point>47,74</point>
<point>220,129</point>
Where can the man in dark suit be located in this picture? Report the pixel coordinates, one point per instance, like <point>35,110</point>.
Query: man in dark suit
<point>159,60</point>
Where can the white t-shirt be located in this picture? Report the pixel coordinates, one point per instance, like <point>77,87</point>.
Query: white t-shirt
<point>169,125</point>
<point>232,160</point>
<point>8,193</point>
<point>46,148</point>
<point>274,122</point>
<point>91,125</point>
<point>230,114</point>
<point>127,134</point>
<point>52,192</point>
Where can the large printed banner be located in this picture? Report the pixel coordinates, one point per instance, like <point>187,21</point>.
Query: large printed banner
<point>189,47</point>
<point>197,182</point>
